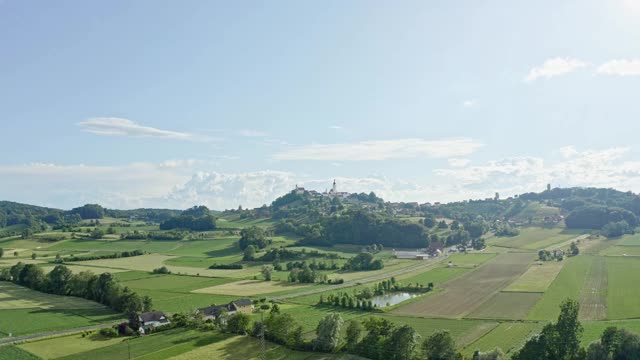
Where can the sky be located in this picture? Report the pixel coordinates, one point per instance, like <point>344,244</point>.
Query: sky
<point>171,104</point>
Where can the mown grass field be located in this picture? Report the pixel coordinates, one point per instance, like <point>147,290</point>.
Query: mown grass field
<point>623,292</point>
<point>243,347</point>
<point>509,336</point>
<point>57,347</point>
<point>507,305</point>
<point>464,331</point>
<point>538,277</point>
<point>567,284</point>
<point>10,352</point>
<point>36,320</point>
<point>252,288</point>
<point>536,238</point>
<point>158,346</point>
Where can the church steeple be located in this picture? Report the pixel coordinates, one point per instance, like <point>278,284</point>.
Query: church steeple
<point>334,189</point>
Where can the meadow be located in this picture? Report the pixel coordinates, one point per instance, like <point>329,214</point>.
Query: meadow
<point>536,238</point>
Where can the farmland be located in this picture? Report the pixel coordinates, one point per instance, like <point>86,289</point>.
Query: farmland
<point>536,238</point>
<point>495,297</point>
<point>46,312</point>
<point>463,294</point>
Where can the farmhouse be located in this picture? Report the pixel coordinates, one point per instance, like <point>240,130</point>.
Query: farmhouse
<point>419,254</point>
<point>212,312</point>
<point>243,305</point>
<point>153,319</point>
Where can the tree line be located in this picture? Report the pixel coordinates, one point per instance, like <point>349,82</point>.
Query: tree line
<point>103,288</point>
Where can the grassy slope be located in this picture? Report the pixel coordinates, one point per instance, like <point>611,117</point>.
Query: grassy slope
<point>10,352</point>
<point>567,284</point>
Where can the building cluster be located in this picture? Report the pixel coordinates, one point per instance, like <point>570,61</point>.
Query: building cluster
<point>327,193</point>
<point>154,319</point>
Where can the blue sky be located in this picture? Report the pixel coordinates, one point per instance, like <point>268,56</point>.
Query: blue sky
<point>171,104</point>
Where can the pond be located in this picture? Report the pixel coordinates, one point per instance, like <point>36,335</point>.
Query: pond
<point>392,298</point>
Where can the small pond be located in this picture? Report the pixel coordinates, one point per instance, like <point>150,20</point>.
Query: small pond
<point>392,298</point>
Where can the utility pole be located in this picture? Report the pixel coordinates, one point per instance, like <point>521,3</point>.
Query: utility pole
<point>263,345</point>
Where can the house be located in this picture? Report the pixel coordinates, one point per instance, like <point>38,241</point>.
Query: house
<point>153,319</point>
<point>212,312</point>
<point>243,305</point>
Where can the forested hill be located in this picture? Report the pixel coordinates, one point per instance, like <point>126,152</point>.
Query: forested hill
<point>18,217</point>
<point>365,218</point>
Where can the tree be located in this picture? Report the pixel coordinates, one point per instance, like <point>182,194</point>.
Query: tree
<point>266,272</point>
<point>253,235</point>
<point>59,280</point>
<point>354,332</point>
<point>429,221</point>
<point>249,253</point>
<point>495,354</point>
<point>1,253</point>
<point>134,321</point>
<point>147,303</point>
<point>239,323</point>
<point>402,343</point>
<point>574,248</point>
<point>440,346</point>
<point>328,333</point>
<point>559,341</point>
<point>33,256</point>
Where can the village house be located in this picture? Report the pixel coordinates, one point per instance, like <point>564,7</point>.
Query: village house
<point>244,306</point>
<point>152,319</point>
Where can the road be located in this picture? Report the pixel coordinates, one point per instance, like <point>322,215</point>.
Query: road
<point>383,276</point>
<point>13,339</point>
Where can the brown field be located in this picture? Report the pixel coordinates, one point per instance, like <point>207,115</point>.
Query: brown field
<point>464,294</point>
<point>507,305</point>
<point>593,297</point>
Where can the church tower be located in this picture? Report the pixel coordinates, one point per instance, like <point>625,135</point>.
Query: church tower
<point>334,189</point>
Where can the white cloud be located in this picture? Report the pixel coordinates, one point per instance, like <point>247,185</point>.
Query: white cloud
<point>568,151</point>
<point>66,186</point>
<point>470,103</point>
<point>621,67</point>
<point>598,168</point>
<point>554,67</point>
<point>382,150</point>
<point>455,162</point>
<point>111,126</point>
<point>335,127</point>
<point>252,133</point>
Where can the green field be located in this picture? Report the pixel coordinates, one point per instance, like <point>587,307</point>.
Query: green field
<point>536,238</point>
<point>464,331</point>
<point>10,352</point>
<point>56,347</point>
<point>509,336</point>
<point>537,278</point>
<point>623,293</point>
<point>567,284</point>
<point>158,346</point>
<point>507,305</point>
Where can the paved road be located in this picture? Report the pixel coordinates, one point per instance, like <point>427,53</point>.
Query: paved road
<point>13,339</point>
<point>383,276</point>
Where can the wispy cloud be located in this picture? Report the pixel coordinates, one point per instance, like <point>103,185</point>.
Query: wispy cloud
<point>335,127</point>
<point>112,126</point>
<point>455,162</point>
<point>470,103</point>
<point>382,150</point>
<point>620,67</point>
<point>252,133</point>
<point>554,67</point>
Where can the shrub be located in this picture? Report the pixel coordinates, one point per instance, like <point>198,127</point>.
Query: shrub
<point>109,332</point>
<point>162,270</point>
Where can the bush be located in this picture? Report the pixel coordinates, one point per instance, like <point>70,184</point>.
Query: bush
<point>109,332</point>
<point>162,270</point>
<point>226,267</point>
